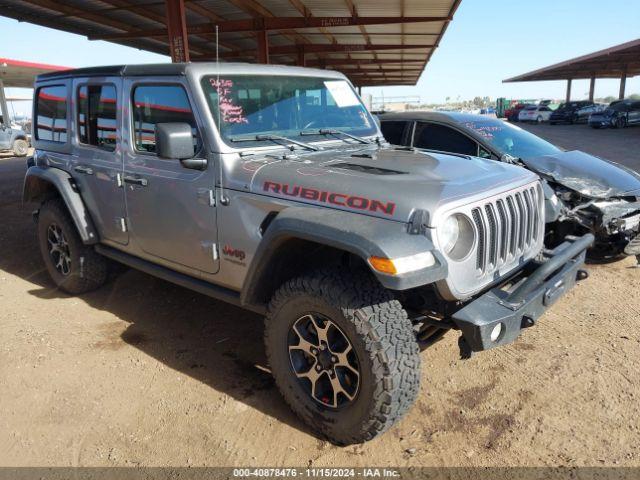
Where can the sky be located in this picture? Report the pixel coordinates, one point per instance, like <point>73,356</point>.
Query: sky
<point>487,41</point>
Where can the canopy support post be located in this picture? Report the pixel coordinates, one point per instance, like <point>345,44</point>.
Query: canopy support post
<point>568,99</point>
<point>592,88</point>
<point>263,46</point>
<point>4,110</point>
<point>177,30</point>
<point>623,85</point>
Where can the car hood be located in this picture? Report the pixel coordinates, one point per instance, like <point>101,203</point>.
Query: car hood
<point>385,182</point>
<point>589,175</point>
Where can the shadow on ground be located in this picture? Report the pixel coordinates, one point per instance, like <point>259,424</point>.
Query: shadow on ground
<point>215,343</point>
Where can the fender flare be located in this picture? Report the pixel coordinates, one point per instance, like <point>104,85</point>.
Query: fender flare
<point>39,182</point>
<point>361,235</point>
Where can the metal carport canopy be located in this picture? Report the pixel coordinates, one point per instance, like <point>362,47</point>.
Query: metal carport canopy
<point>20,74</point>
<point>621,61</point>
<point>374,42</point>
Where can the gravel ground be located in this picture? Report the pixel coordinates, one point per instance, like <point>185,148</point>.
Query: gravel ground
<point>142,372</point>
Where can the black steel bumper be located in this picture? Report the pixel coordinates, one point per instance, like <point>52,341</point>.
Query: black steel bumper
<point>509,310</point>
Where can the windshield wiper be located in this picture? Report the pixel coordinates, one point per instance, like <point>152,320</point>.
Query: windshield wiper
<point>333,131</point>
<point>274,138</point>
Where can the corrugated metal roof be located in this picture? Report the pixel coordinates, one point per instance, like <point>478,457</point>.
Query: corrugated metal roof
<point>623,59</point>
<point>364,50</point>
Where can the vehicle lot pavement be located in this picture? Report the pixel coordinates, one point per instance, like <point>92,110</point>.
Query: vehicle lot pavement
<point>142,372</point>
<point>619,145</point>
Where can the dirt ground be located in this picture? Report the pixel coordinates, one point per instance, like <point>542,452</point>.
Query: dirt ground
<point>142,372</point>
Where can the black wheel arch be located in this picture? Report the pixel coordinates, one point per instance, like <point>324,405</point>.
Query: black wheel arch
<point>299,239</point>
<point>42,184</point>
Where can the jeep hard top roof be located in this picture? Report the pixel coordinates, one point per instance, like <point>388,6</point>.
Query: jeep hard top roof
<point>173,69</point>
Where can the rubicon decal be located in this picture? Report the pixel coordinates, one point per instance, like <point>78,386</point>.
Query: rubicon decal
<point>333,198</point>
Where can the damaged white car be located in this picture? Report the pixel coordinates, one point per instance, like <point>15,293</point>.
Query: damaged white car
<point>583,193</point>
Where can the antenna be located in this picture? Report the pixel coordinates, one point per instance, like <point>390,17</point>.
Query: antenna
<point>224,200</point>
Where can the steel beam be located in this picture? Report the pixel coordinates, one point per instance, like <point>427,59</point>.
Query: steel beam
<point>568,97</point>
<point>592,88</point>
<point>270,23</point>
<point>322,48</point>
<point>177,29</point>
<point>623,85</point>
<point>4,110</point>
<point>263,47</point>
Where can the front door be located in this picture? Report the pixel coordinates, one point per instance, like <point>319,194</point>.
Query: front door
<point>96,164</point>
<point>171,210</point>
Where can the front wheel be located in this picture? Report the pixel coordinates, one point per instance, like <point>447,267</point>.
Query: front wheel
<point>539,119</point>
<point>343,354</point>
<point>20,148</point>
<point>621,122</point>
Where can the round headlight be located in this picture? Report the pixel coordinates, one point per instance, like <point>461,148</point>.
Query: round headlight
<point>456,236</point>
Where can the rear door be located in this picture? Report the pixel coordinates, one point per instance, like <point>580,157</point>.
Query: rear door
<point>96,164</point>
<point>634,113</point>
<point>170,209</point>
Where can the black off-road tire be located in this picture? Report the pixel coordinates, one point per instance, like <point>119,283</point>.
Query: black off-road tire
<point>381,335</point>
<point>88,269</point>
<point>20,147</point>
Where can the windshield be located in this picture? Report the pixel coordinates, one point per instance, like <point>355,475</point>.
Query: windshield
<point>507,138</point>
<point>248,105</point>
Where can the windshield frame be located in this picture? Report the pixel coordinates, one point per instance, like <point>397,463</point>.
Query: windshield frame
<point>224,142</point>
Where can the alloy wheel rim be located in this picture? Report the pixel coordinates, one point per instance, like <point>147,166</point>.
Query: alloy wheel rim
<point>324,361</point>
<point>59,249</point>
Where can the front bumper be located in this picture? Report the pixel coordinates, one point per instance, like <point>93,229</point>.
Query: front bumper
<point>530,294</point>
<point>601,122</point>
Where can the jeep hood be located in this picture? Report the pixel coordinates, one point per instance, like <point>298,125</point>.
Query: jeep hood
<point>591,176</point>
<point>408,180</point>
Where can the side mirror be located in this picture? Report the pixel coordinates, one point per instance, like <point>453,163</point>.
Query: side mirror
<point>175,141</point>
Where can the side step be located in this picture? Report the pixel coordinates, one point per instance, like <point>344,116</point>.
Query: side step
<point>187,281</point>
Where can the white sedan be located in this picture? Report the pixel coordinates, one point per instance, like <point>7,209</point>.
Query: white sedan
<point>535,113</point>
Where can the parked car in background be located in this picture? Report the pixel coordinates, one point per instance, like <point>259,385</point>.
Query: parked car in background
<point>512,113</point>
<point>13,139</point>
<point>535,113</point>
<point>574,112</point>
<point>618,114</point>
<point>583,193</point>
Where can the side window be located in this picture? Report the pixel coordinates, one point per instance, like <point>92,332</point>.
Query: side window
<point>445,139</point>
<point>51,114</point>
<point>97,116</point>
<point>482,153</point>
<point>153,104</point>
<point>393,131</point>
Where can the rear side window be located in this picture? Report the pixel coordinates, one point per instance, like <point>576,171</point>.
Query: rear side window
<point>393,131</point>
<point>97,116</point>
<point>445,139</point>
<point>51,114</point>
<point>153,104</point>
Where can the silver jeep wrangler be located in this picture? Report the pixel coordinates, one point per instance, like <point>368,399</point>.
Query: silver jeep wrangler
<point>272,188</point>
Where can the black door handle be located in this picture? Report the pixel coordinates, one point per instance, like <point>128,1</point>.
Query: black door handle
<point>136,180</point>
<point>82,169</point>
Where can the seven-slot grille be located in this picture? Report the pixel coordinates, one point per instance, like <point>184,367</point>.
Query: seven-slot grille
<point>507,227</point>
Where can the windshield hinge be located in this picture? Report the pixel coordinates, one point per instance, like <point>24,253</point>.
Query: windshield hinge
<point>419,222</point>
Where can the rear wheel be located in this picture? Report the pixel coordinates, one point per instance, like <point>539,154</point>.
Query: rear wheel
<point>20,147</point>
<point>73,266</point>
<point>343,354</point>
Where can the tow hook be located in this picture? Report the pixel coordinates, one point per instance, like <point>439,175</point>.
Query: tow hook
<point>35,214</point>
<point>465,349</point>
<point>582,275</point>
<point>527,322</point>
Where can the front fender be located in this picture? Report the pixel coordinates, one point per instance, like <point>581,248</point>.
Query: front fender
<point>41,183</point>
<point>361,235</point>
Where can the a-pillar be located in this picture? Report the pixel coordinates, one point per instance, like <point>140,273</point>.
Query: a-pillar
<point>592,88</point>
<point>263,46</point>
<point>177,30</point>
